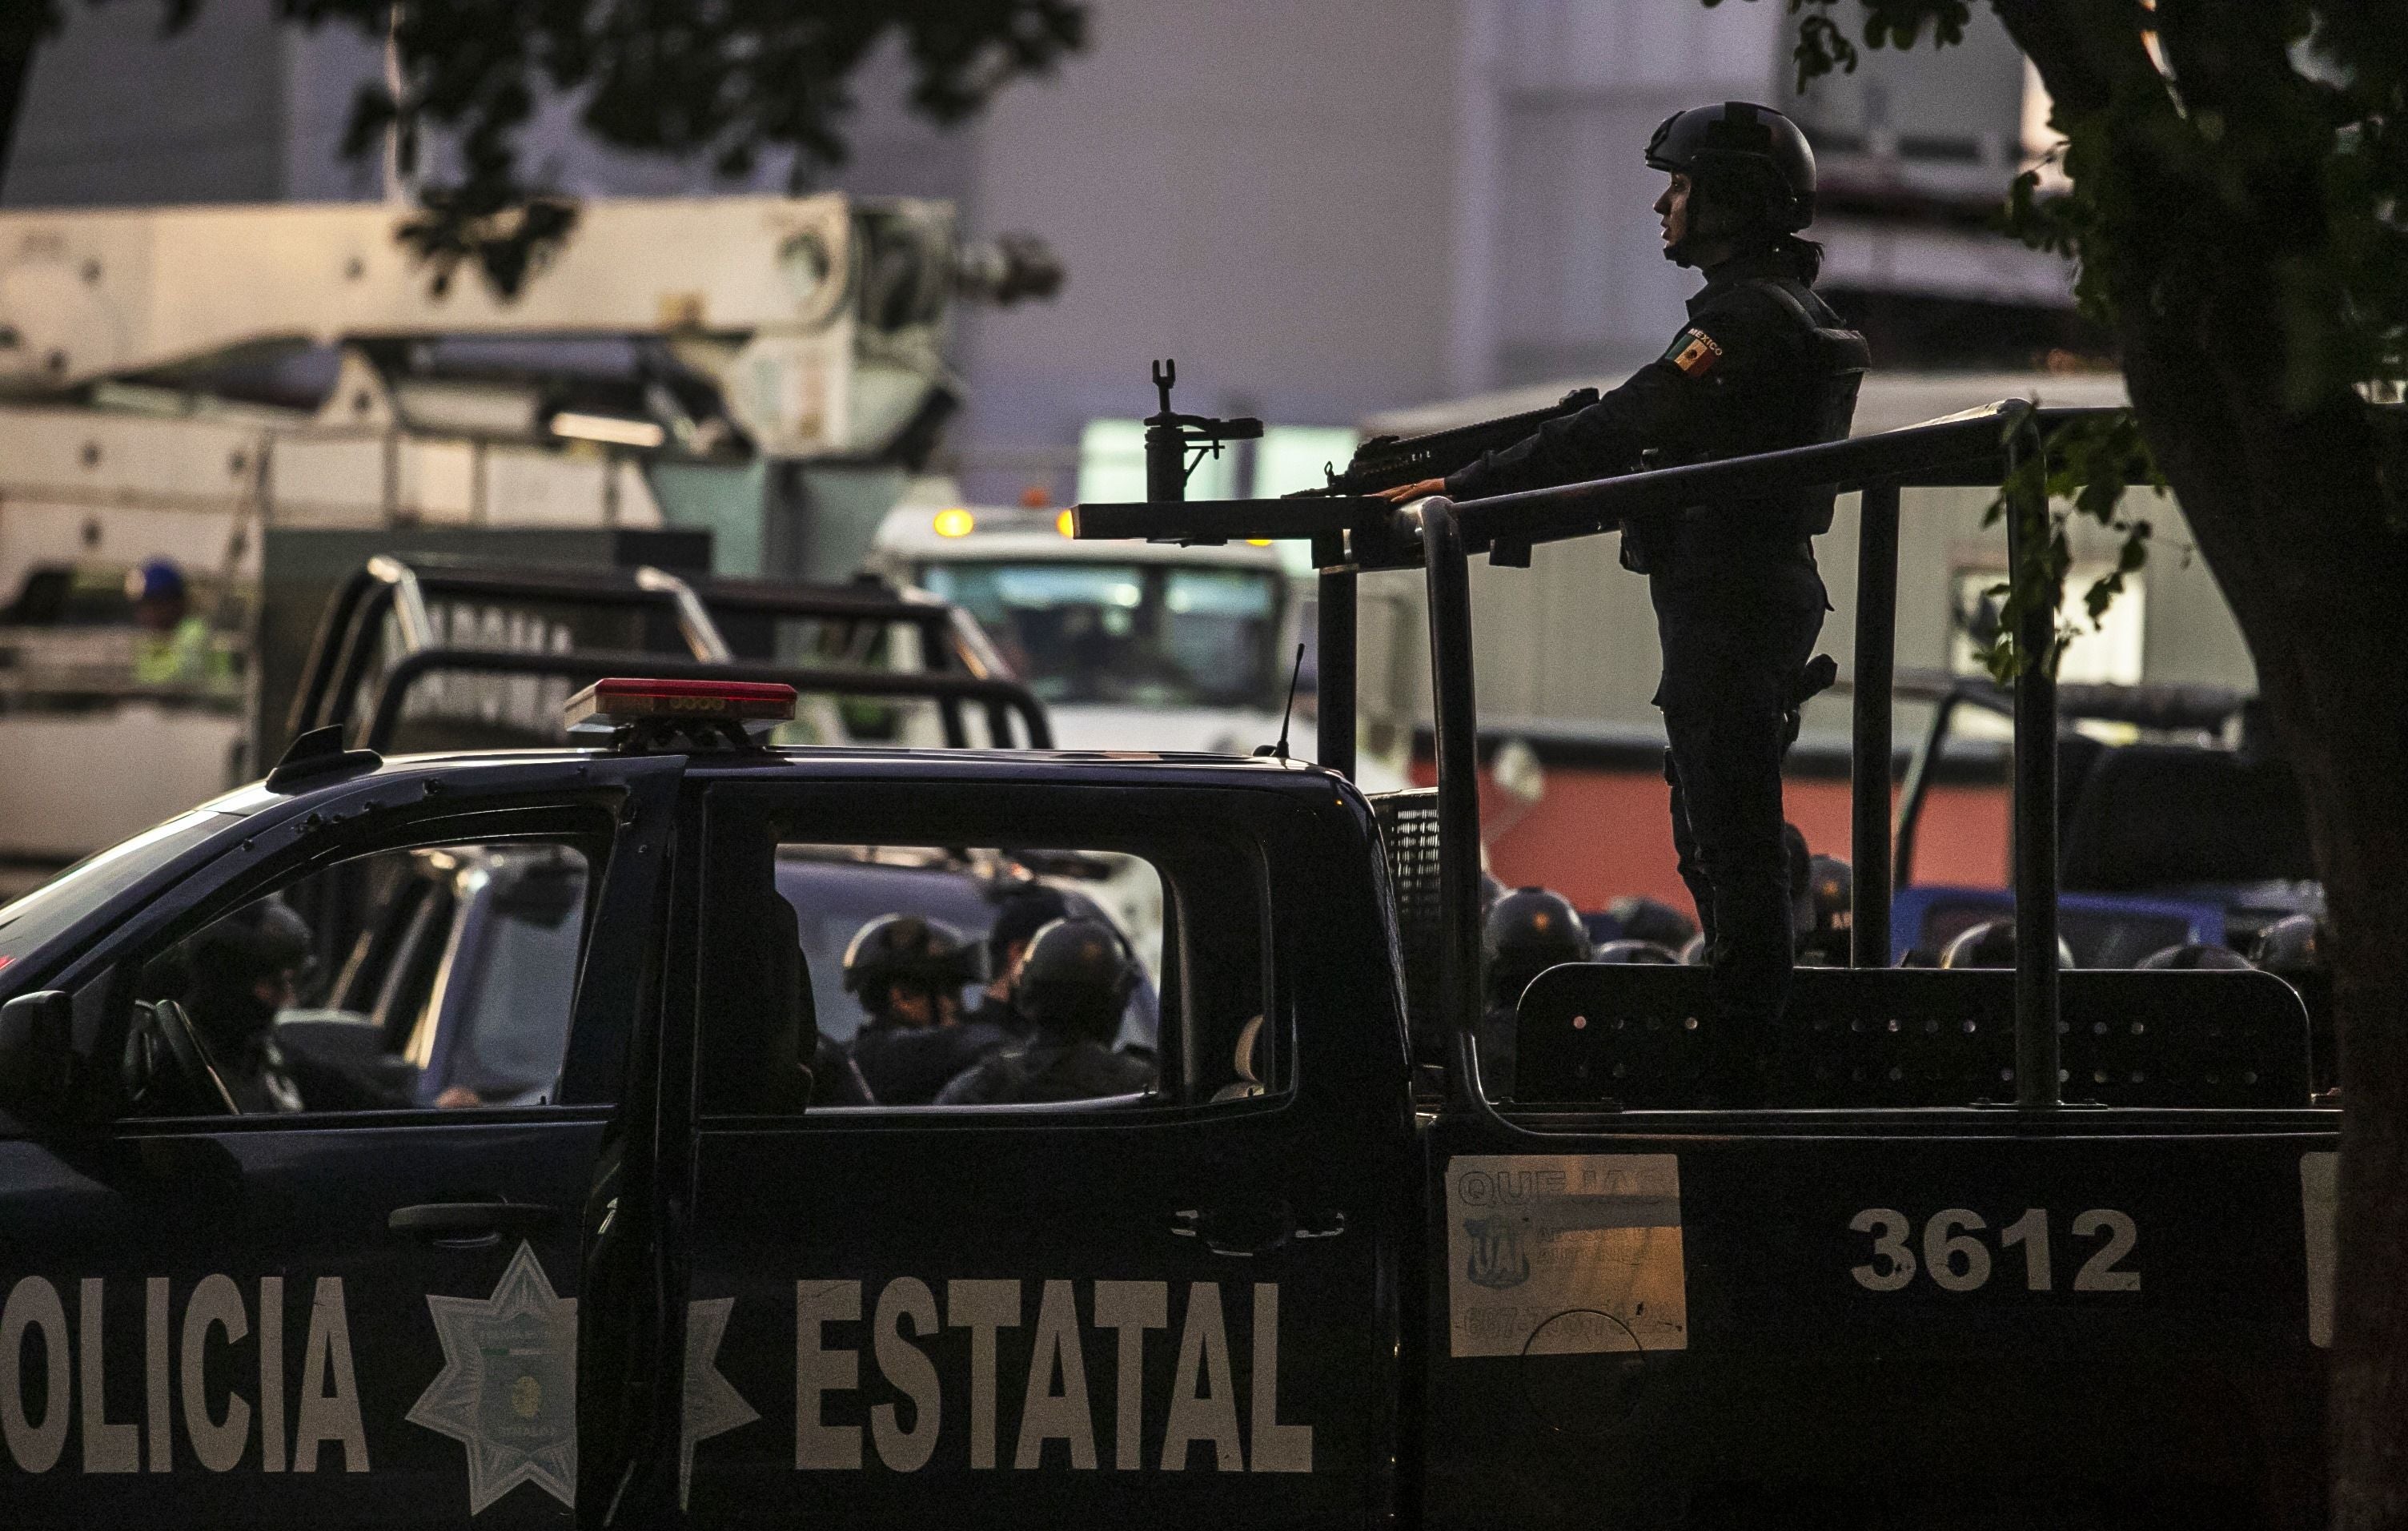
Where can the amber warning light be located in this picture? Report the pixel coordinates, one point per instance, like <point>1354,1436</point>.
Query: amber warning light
<point>620,701</point>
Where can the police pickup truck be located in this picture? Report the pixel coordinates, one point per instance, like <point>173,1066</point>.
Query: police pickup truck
<point>1311,1274</point>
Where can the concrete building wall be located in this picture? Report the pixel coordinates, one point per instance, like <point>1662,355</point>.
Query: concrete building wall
<point>1261,189</point>
<point>115,115</point>
<point>1576,278</point>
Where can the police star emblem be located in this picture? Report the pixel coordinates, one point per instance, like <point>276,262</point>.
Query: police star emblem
<point>507,1391</point>
<point>712,1405</point>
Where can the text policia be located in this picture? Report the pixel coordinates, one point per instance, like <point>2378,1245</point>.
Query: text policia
<point>219,1430</point>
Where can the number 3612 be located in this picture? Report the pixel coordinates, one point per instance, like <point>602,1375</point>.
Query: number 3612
<point>1956,1260</point>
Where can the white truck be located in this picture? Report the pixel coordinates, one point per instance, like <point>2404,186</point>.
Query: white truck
<point>1131,646</point>
<point>183,384</point>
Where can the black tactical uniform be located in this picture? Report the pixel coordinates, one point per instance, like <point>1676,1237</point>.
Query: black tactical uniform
<point>1762,364</point>
<point>1072,987</point>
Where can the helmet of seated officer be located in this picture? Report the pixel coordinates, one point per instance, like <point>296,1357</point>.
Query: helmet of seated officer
<point>1023,912</point>
<point>2292,946</point>
<point>1652,919</point>
<point>2192,955</point>
<point>1830,892</point>
<point>1076,979</point>
<point>1530,930</point>
<point>243,969</point>
<point>1992,943</point>
<point>1653,953</point>
<point>905,967</point>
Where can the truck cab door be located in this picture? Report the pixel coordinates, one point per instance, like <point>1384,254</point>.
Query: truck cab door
<point>1180,1302</point>
<point>363,1312</point>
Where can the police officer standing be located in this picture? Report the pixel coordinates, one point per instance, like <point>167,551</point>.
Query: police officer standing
<point>1762,364</point>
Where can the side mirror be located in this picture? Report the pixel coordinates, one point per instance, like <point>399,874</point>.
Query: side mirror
<point>36,1055</point>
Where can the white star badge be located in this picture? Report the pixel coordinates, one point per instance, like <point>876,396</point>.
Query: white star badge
<point>507,1391</point>
<point>712,1405</point>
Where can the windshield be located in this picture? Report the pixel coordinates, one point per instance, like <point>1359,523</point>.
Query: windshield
<point>69,898</point>
<point>1128,634</point>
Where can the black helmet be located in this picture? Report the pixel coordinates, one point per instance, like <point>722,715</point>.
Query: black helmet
<point>2293,944</point>
<point>1751,172</point>
<point>258,940</point>
<point>1693,950</point>
<point>1831,883</point>
<point>1024,911</point>
<point>1530,930</point>
<point>2193,956</point>
<point>1653,953</point>
<point>1077,978</point>
<point>226,961</point>
<point>907,950</point>
<point>1652,919</point>
<point>1830,900</point>
<point>1992,943</point>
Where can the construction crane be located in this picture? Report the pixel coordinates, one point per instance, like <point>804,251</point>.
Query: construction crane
<point>194,385</point>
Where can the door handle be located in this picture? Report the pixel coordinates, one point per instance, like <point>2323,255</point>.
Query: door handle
<point>1243,1232</point>
<point>472,1225</point>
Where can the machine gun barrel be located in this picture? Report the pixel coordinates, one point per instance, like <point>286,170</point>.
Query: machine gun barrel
<point>1389,462</point>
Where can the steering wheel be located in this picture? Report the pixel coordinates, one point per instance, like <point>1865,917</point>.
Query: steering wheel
<point>168,1071</point>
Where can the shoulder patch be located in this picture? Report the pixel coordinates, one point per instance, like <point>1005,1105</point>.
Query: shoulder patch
<point>1694,352</point>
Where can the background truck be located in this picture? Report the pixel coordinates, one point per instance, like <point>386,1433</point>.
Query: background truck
<point>733,385</point>
<point>1315,1274</point>
<point>1133,646</point>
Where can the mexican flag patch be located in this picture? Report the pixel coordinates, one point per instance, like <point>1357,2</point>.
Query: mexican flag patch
<point>1694,352</point>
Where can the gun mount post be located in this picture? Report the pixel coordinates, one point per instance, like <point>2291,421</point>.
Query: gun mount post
<point>1868,778</point>
<point>2037,1053</point>
<point>1166,444</point>
<point>1170,436</point>
<point>1334,673</point>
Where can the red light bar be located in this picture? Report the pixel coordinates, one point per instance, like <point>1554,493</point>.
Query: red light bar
<point>627,701</point>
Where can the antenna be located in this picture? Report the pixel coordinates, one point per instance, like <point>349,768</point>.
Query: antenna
<point>1279,751</point>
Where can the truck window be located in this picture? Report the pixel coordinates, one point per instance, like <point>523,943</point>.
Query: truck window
<point>1131,634</point>
<point>427,976</point>
<point>909,977</point>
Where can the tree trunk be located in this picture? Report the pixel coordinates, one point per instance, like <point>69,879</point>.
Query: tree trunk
<point>2287,504</point>
<point>2287,509</point>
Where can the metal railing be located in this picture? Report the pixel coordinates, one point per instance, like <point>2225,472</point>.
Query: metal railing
<point>1977,448</point>
<point>964,670</point>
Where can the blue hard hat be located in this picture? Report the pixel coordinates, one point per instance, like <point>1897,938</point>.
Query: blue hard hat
<point>157,579</point>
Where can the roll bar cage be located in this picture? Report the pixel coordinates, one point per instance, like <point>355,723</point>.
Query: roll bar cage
<point>2159,708</point>
<point>1350,536</point>
<point>966,669</point>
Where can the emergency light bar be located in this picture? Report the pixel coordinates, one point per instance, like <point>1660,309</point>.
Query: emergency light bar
<point>625,700</point>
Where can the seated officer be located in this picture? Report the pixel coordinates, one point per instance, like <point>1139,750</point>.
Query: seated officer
<point>1530,930</point>
<point>1026,910</point>
<point>1073,985</point>
<point>244,969</point>
<point>909,972</point>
